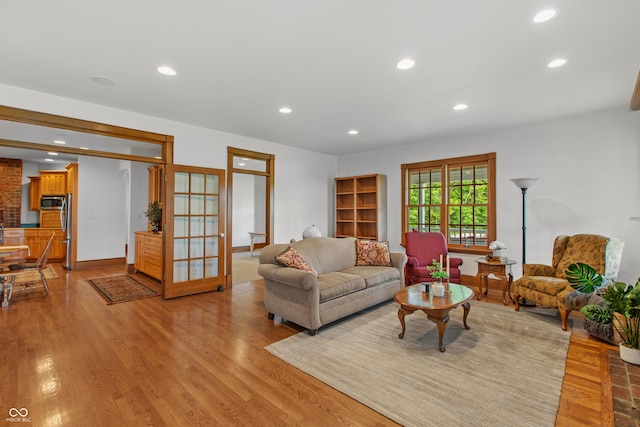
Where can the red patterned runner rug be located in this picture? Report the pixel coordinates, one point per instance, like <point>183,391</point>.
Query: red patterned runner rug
<point>118,289</point>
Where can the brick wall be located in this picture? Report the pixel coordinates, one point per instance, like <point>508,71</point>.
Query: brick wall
<point>10,192</point>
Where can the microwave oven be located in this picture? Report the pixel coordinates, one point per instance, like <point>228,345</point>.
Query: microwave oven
<point>51,202</point>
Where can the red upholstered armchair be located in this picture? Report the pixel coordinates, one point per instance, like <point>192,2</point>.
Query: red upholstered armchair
<point>422,249</point>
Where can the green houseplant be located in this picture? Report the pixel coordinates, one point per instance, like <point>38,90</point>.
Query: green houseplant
<point>154,213</point>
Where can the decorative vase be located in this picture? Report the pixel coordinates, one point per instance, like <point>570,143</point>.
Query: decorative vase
<point>311,232</point>
<point>630,355</point>
<point>437,289</point>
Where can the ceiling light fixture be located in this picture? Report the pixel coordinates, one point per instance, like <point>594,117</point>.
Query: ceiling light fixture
<point>48,160</point>
<point>405,64</point>
<point>167,71</point>
<point>83,148</point>
<point>353,132</point>
<point>285,110</point>
<point>51,153</point>
<point>460,107</point>
<point>103,81</point>
<point>544,16</point>
<point>557,63</point>
<point>60,139</point>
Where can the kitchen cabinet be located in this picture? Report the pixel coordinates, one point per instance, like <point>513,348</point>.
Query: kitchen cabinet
<point>50,219</point>
<point>72,177</point>
<point>148,254</point>
<point>34,193</point>
<point>37,238</point>
<point>53,183</point>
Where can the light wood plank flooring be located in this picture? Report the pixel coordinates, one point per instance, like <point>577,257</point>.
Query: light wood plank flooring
<point>72,360</point>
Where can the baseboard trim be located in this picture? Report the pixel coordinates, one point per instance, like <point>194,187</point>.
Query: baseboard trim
<point>100,263</point>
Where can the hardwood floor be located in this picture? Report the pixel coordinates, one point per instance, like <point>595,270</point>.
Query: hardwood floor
<point>72,360</point>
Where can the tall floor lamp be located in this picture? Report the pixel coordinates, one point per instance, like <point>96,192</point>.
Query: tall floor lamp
<point>524,184</point>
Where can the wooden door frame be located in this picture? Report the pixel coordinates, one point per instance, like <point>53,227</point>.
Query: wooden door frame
<point>269,174</point>
<point>61,122</point>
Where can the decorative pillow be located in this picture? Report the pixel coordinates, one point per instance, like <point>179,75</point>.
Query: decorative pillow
<point>587,248</point>
<point>370,252</point>
<point>292,258</point>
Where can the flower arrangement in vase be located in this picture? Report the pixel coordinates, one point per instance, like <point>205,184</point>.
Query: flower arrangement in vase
<point>496,246</point>
<point>439,273</point>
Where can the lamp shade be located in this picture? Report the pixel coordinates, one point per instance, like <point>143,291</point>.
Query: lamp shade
<point>524,183</point>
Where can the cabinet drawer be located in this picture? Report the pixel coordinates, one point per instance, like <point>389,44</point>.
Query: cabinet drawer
<point>493,268</point>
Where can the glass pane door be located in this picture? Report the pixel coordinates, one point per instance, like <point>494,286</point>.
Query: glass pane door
<point>195,246</point>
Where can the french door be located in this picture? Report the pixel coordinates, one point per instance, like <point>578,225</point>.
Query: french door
<point>193,231</point>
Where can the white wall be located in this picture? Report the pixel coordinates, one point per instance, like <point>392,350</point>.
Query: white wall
<point>102,218</point>
<point>303,179</point>
<point>243,208</point>
<point>588,173</point>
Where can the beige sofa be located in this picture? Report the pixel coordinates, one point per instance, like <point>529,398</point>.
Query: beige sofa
<point>341,288</point>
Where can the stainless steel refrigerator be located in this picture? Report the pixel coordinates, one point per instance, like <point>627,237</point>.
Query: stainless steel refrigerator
<point>66,222</point>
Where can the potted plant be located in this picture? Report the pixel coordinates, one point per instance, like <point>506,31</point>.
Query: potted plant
<point>154,213</point>
<point>438,272</point>
<point>624,301</point>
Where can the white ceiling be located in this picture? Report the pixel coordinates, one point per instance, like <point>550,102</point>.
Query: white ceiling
<point>331,61</point>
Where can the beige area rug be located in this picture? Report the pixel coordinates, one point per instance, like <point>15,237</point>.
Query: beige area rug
<point>507,370</point>
<point>245,268</point>
<point>34,276</point>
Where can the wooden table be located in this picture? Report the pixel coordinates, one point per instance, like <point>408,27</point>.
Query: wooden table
<point>437,309</point>
<point>253,235</point>
<point>7,278</point>
<point>498,269</point>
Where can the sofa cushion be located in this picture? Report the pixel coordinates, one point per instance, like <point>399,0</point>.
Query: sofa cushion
<point>547,285</point>
<point>336,284</point>
<point>586,248</point>
<point>371,252</point>
<point>327,254</point>
<point>291,258</point>
<point>374,276</point>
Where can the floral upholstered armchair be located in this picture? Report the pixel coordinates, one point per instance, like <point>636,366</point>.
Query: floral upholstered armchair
<point>422,249</point>
<point>547,285</point>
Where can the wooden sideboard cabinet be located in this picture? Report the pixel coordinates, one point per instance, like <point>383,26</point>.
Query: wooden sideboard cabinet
<point>148,254</point>
<point>361,207</point>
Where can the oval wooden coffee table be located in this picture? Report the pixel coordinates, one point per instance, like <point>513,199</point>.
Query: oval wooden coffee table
<point>437,309</point>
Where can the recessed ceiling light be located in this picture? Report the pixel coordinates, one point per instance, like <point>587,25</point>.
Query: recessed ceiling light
<point>60,139</point>
<point>460,107</point>
<point>557,63</point>
<point>167,71</point>
<point>51,153</point>
<point>83,148</point>
<point>353,132</point>
<point>545,15</point>
<point>241,164</point>
<point>405,64</point>
<point>48,160</point>
<point>103,80</point>
<point>157,157</point>
<point>285,110</point>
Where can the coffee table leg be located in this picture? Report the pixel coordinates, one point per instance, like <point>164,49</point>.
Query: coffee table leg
<point>442,325</point>
<point>401,314</point>
<point>466,306</point>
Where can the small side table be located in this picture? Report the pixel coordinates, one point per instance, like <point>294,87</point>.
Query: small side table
<point>498,269</point>
<point>252,236</point>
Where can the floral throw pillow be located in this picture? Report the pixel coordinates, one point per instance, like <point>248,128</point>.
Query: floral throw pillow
<point>370,252</point>
<point>292,258</point>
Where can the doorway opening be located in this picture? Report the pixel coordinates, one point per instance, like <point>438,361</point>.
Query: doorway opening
<point>250,182</point>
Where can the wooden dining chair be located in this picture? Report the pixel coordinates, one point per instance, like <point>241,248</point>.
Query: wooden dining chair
<point>16,270</point>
